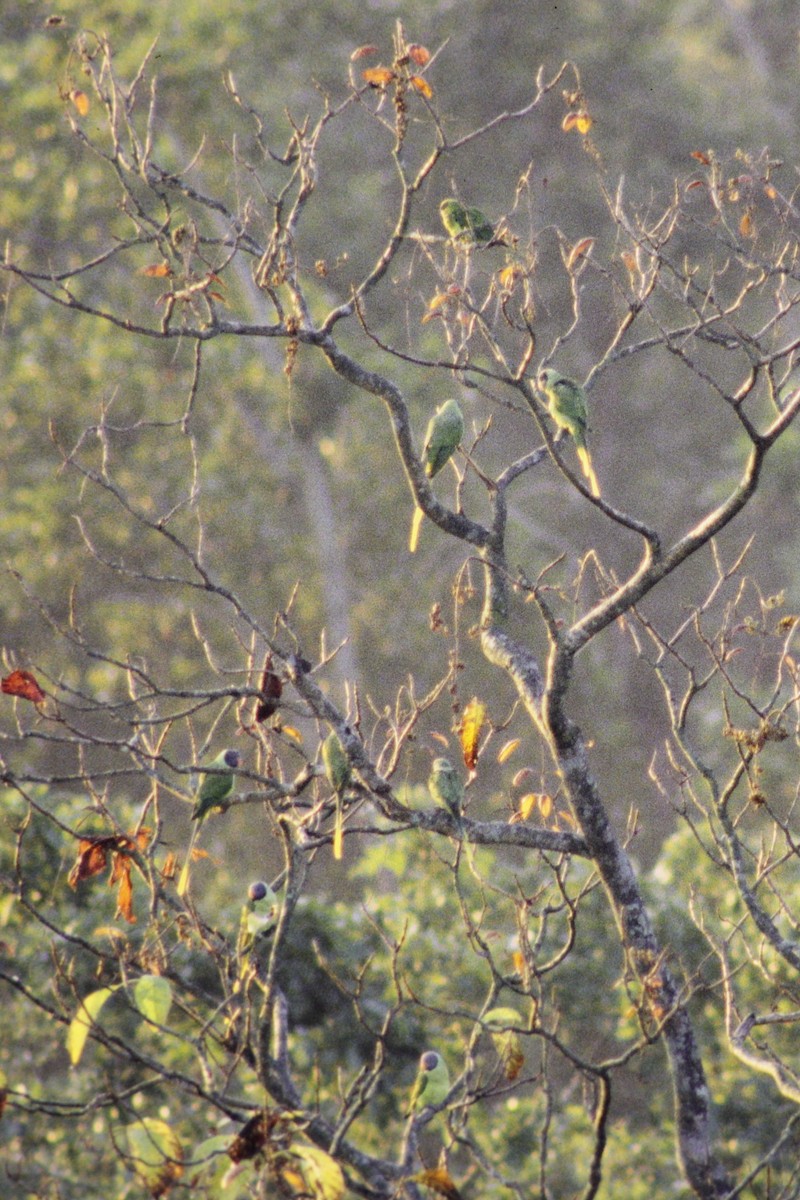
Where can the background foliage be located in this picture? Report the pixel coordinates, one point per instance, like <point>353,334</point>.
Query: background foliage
<point>293,478</point>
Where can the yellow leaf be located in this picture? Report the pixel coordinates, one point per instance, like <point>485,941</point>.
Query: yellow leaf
<point>435,304</point>
<point>545,805</point>
<point>83,1020</point>
<point>580,250</point>
<point>421,85</point>
<point>770,191</point>
<point>508,750</point>
<point>80,100</point>
<point>378,77</point>
<point>527,804</point>
<point>321,1174</point>
<point>292,733</point>
<point>577,120</point>
<point>509,275</point>
<point>469,731</point>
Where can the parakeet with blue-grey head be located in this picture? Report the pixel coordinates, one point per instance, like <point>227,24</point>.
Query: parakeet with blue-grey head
<point>256,927</point>
<point>216,785</point>
<point>431,1085</point>
<point>568,406</point>
<point>445,786</point>
<point>445,431</point>
<point>216,788</point>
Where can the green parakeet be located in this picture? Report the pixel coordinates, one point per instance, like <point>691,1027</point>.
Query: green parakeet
<point>445,430</point>
<point>567,405</point>
<point>431,1085</point>
<point>259,918</point>
<point>214,790</point>
<point>338,772</point>
<point>468,225</point>
<point>445,786</point>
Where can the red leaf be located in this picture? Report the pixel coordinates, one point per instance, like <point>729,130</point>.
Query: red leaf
<point>24,685</point>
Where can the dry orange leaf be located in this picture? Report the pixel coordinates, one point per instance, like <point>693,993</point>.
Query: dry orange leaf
<point>469,731</point>
<point>24,685</point>
<point>438,1180</point>
<point>422,85</point>
<point>157,270</point>
<point>580,250</point>
<point>378,77</point>
<point>92,858</point>
<point>419,54</point>
<point>701,157</point>
<point>170,867</point>
<point>747,226</point>
<point>121,874</point>
<point>770,191</point>
<point>363,52</point>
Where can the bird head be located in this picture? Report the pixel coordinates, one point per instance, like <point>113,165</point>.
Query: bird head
<point>443,766</point>
<point>429,1061</point>
<point>232,759</point>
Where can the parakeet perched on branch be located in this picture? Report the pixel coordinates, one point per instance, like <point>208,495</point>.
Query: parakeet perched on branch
<point>337,772</point>
<point>445,430</point>
<point>567,405</point>
<point>431,1085</point>
<point>446,787</point>
<point>468,225</point>
<point>214,790</point>
<point>257,924</point>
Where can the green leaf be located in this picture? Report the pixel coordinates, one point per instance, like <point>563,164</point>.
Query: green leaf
<point>153,996</point>
<point>83,1020</point>
<point>156,1152</point>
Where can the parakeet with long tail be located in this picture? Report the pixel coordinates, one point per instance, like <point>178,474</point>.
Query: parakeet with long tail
<point>214,790</point>
<point>567,405</point>
<point>337,772</point>
<point>431,1085</point>
<point>446,787</point>
<point>445,430</point>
